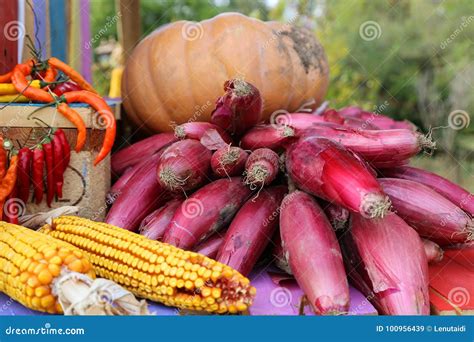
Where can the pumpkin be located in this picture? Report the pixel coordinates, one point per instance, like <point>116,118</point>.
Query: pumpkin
<point>177,73</point>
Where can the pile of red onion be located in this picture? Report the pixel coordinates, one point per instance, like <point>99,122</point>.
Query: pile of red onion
<point>329,198</point>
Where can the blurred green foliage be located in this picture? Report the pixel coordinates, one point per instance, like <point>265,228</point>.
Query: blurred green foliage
<point>415,40</point>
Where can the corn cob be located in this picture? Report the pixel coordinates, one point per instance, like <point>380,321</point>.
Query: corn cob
<point>31,263</point>
<point>156,270</point>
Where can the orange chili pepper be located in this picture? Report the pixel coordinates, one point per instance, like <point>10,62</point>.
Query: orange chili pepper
<point>9,181</point>
<point>73,74</point>
<point>2,204</point>
<point>5,78</point>
<point>105,114</point>
<point>49,74</point>
<point>3,160</point>
<point>22,85</point>
<point>76,119</point>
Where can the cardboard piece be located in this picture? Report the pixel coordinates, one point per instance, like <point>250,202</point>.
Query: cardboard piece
<point>452,283</point>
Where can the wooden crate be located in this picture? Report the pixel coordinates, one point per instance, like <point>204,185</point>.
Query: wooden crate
<point>85,185</point>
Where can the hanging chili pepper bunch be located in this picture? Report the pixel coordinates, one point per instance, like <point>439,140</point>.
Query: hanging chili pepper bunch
<point>74,88</point>
<point>51,156</point>
<point>40,167</point>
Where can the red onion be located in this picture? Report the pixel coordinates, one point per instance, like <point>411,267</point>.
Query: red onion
<point>251,230</point>
<point>267,136</point>
<point>431,214</point>
<point>386,260</point>
<point>229,161</point>
<point>184,166</point>
<point>239,109</point>
<point>327,170</point>
<point>459,196</point>
<point>206,211</point>
<point>313,254</point>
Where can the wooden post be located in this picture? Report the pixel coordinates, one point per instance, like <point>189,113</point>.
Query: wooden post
<point>11,31</point>
<point>129,25</point>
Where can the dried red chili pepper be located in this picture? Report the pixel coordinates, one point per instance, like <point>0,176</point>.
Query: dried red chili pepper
<point>58,160</point>
<point>37,173</point>
<point>50,181</point>
<point>66,148</point>
<point>65,87</point>
<point>24,171</point>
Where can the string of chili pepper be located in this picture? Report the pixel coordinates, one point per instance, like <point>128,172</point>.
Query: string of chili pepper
<point>76,119</point>
<point>66,148</point>
<point>22,84</point>
<point>58,165</point>
<point>105,114</point>
<point>9,181</point>
<point>37,172</point>
<point>50,181</point>
<point>25,156</point>
<point>73,74</point>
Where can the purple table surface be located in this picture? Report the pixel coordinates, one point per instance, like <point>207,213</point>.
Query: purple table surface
<point>277,294</point>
